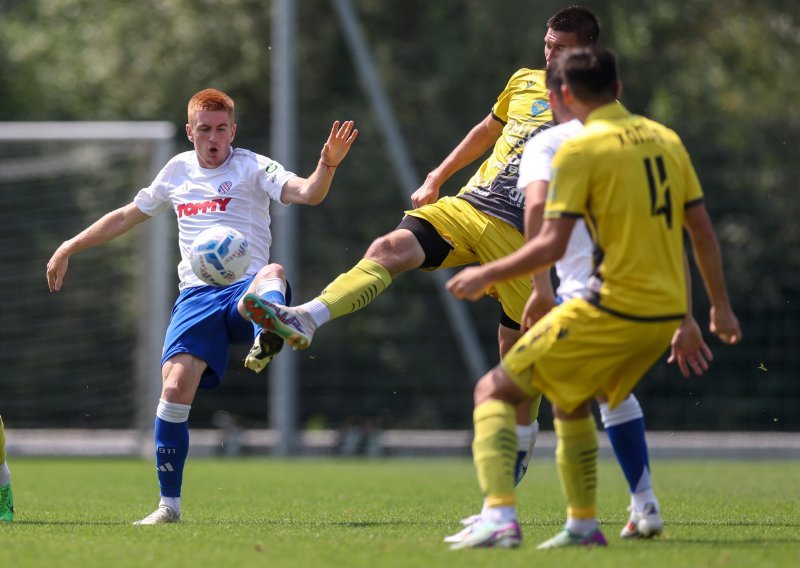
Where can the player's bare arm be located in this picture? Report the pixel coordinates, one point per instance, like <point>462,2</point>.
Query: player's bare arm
<point>535,197</point>
<point>474,145</point>
<point>543,297</point>
<point>534,256</point>
<point>314,189</point>
<point>108,227</point>
<point>724,323</point>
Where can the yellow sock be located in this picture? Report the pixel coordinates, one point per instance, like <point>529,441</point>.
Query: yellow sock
<point>2,441</point>
<point>576,456</point>
<point>356,288</point>
<point>494,451</point>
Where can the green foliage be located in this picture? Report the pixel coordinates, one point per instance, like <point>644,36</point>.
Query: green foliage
<point>722,74</point>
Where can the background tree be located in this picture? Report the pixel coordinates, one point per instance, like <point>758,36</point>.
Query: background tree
<point>723,75</point>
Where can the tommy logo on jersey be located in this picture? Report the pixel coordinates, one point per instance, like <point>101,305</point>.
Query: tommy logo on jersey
<point>202,207</point>
<point>224,187</point>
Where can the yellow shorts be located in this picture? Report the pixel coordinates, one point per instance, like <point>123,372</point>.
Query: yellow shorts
<point>478,237</point>
<point>578,351</point>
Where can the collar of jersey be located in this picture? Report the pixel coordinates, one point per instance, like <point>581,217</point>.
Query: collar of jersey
<point>609,111</point>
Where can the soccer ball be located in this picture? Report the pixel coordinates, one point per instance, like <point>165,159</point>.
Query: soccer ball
<point>219,256</point>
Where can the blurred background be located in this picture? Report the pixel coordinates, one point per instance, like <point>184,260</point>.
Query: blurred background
<point>723,75</point>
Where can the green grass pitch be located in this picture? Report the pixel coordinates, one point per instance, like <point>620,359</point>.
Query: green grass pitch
<point>392,512</point>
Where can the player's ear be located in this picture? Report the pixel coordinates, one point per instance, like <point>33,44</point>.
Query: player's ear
<point>189,133</point>
<point>233,131</point>
<point>566,94</point>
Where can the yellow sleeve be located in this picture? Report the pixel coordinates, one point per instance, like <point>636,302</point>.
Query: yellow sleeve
<point>500,108</point>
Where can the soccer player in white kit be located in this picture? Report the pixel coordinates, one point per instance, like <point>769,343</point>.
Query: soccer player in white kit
<point>214,184</point>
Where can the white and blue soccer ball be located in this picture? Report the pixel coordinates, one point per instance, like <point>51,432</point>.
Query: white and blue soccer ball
<point>220,256</point>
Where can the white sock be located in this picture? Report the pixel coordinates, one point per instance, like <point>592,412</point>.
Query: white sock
<point>627,410</point>
<point>504,514</point>
<point>642,498</point>
<point>318,311</point>
<point>5,474</point>
<point>269,285</point>
<point>172,411</point>
<point>173,503</point>
<point>524,434</point>
<point>581,526</point>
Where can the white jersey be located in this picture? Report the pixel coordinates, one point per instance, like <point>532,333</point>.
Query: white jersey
<point>236,194</point>
<point>575,267</point>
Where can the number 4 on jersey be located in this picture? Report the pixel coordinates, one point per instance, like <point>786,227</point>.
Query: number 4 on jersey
<point>659,186</point>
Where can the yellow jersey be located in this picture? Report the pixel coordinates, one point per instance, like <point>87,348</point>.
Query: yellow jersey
<point>631,179</point>
<point>524,110</point>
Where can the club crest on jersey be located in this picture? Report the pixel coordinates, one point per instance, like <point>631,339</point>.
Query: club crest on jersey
<point>224,187</point>
<point>539,106</point>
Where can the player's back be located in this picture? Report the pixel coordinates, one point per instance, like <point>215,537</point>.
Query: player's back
<point>631,178</point>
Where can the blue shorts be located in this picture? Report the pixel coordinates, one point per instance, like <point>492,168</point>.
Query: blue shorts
<point>204,322</point>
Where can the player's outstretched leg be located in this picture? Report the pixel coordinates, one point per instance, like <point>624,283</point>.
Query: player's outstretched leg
<point>292,324</point>
<point>6,495</point>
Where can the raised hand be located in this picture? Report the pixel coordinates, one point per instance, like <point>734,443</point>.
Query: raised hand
<point>338,144</point>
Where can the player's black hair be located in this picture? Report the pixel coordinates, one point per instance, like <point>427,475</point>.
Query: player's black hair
<point>590,73</point>
<point>578,20</point>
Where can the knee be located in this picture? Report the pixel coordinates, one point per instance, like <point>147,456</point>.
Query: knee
<point>273,270</point>
<point>181,378</point>
<point>171,391</point>
<point>484,389</point>
<point>497,385</point>
<point>397,252</point>
<point>382,248</point>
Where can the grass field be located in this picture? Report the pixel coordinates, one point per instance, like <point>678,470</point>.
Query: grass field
<point>264,512</point>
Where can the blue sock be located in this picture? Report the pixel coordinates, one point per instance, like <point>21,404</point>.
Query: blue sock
<point>275,297</point>
<point>519,470</point>
<point>172,447</point>
<point>273,290</point>
<point>630,447</point>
